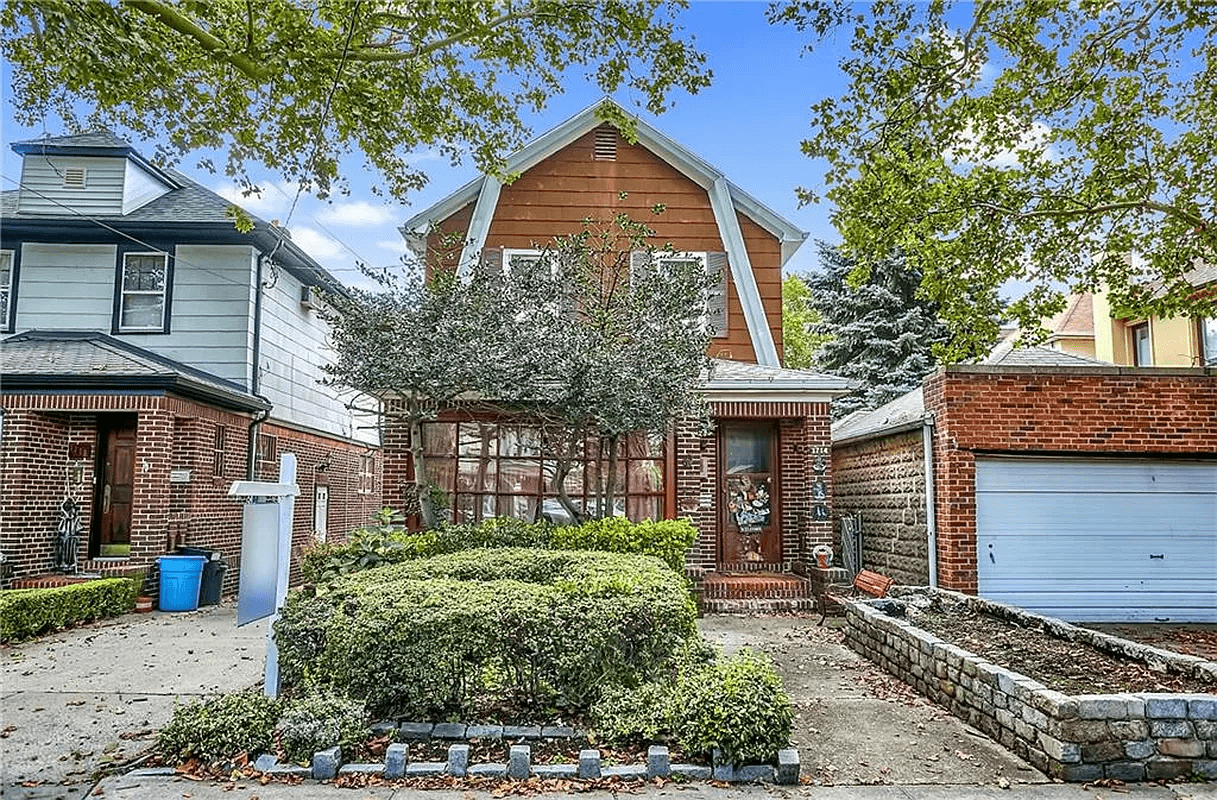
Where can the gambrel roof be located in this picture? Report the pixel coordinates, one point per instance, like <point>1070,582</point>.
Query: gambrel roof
<point>726,200</point>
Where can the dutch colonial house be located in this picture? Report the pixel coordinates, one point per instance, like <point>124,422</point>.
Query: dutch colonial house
<point>156,354</point>
<point>759,486</point>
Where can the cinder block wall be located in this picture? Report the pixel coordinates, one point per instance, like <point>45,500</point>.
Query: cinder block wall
<point>884,480</point>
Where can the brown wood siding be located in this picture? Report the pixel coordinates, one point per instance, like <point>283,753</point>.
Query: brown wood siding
<point>553,198</point>
<point>444,244</point>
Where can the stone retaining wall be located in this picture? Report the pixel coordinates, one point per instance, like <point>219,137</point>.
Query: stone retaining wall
<point>1130,737</point>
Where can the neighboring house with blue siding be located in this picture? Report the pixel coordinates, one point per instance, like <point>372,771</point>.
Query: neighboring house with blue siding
<point>157,353</point>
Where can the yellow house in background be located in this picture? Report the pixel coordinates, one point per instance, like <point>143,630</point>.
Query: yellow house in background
<point>1157,341</point>
<point>1088,328</point>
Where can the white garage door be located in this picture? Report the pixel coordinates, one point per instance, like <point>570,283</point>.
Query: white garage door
<point>1099,540</point>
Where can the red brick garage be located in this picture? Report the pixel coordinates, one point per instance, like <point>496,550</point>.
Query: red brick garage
<point>1089,492</point>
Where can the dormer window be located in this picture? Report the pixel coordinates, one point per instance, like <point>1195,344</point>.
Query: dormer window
<point>75,177</point>
<point>143,293</point>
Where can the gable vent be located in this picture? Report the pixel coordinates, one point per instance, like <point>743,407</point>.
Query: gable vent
<point>74,177</point>
<point>605,148</point>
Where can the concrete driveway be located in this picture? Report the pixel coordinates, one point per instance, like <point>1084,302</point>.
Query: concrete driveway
<point>85,699</point>
<point>855,724</point>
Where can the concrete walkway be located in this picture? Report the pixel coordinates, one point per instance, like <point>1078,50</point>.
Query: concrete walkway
<point>83,700</point>
<point>86,699</point>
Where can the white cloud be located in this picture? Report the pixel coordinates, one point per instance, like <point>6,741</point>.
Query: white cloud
<point>397,246</point>
<point>318,245</point>
<point>273,201</point>
<point>968,148</point>
<point>357,213</point>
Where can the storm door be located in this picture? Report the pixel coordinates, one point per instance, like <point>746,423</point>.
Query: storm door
<point>748,495</point>
<point>116,490</point>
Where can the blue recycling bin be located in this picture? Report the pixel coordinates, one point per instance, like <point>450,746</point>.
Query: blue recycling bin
<point>181,579</point>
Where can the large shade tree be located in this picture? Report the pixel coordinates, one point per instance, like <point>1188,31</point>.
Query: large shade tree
<point>1048,146</point>
<point>296,84</point>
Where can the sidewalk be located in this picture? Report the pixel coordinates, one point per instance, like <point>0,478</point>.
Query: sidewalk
<point>153,788</point>
<point>81,700</point>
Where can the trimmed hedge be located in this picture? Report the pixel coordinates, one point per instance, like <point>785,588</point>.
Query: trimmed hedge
<point>319,721</point>
<point>427,637</point>
<point>220,728</point>
<point>734,704</point>
<point>29,612</point>
<point>371,547</point>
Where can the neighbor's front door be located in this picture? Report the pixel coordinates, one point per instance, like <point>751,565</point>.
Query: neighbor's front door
<point>748,495</point>
<point>116,490</point>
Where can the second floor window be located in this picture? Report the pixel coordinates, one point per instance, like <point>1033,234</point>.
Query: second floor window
<point>6,287</point>
<point>142,306</point>
<point>1142,354</point>
<point>1208,342</point>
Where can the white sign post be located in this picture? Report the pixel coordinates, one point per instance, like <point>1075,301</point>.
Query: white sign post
<point>266,555</point>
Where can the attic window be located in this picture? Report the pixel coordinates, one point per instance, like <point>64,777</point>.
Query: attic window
<point>605,148</point>
<point>74,177</point>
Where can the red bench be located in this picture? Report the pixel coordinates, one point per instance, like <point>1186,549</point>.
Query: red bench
<point>865,582</point>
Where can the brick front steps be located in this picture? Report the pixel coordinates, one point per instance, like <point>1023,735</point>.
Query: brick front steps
<point>724,592</point>
<point>1128,737</point>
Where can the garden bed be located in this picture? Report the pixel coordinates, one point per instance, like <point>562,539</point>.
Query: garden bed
<point>1095,706</point>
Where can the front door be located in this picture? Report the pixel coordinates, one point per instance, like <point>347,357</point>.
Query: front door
<point>748,495</point>
<point>116,490</point>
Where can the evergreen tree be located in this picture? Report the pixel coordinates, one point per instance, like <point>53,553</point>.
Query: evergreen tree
<point>883,334</point>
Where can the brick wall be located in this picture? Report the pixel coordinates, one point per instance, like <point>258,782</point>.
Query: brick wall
<point>49,451</point>
<point>1097,411</point>
<point>884,480</point>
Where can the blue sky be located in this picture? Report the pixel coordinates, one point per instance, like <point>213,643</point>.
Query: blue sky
<point>749,123</point>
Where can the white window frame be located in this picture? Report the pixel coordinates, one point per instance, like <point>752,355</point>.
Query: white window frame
<point>518,252</point>
<point>6,308</point>
<point>658,260</point>
<point>1207,335</point>
<point>1135,351</point>
<point>124,292</point>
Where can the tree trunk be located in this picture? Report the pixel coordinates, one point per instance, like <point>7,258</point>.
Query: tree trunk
<point>426,510</point>
<point>564,466</point>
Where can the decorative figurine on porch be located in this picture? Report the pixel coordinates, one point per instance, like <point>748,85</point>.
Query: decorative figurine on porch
<point>67,538</point>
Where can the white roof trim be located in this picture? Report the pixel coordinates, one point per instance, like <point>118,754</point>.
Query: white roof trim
<point>416,229</point>
<point>479,225</point>
<point>680,157</point>
<point>741,273</point>
<point>770,395</point>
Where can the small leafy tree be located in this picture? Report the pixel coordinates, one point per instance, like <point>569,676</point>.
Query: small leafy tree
<point>880,332</point>
<point>420,345</point>
<point>800,323</point>
<point>621,335</point>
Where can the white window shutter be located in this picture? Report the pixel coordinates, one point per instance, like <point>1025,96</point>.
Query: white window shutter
<point>716,298</point>
<point>492,260</point>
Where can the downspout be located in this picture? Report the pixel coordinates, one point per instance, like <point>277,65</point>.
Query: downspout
<point>931,516</point>
<point>251,446</point>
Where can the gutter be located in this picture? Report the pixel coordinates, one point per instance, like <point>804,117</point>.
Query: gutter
<point>251,439</point>
<point>931,506</point>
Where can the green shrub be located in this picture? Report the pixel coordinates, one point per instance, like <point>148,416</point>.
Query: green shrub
<point>320,721</point>
<point>29,612</point>
<point>736,704</point>
<point>427,637</point>
<point>221,728</point>
<point>668,540</point>
<point>375,546</point>
<point>643,713</point>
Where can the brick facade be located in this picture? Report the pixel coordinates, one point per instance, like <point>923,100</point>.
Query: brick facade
<point>884,480</point>
<point>1097,411</point>
<point>50,452</point>
<point>802,458</point>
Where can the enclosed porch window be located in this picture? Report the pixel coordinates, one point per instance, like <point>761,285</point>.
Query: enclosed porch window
<point>489,469</point>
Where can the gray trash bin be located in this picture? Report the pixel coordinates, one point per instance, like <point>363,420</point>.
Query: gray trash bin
<point>213,573</point>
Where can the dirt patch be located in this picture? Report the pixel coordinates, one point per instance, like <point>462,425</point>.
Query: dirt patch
<point>1068,667</point>
<point>1198,640</point>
